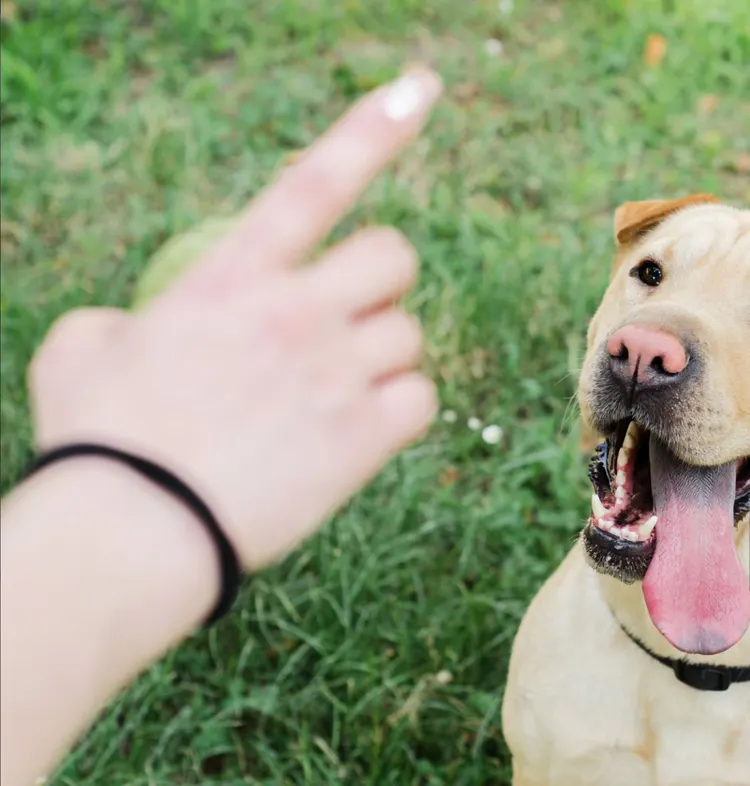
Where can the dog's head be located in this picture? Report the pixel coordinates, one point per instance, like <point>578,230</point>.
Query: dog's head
<point>666,380</point>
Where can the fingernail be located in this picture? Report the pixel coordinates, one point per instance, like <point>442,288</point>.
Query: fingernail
<point>412,93</point>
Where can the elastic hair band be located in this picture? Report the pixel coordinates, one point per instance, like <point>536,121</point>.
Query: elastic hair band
<point>228,562</point>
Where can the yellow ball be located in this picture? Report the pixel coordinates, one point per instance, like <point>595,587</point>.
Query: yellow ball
<point>176,255</point>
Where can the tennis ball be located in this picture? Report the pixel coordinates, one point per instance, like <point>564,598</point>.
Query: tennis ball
<point>178,254</point>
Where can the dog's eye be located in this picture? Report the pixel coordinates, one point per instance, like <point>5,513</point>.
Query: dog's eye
<point>648,273</point>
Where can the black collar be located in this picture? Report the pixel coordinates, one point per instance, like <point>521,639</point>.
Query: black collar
<point>701,676</point>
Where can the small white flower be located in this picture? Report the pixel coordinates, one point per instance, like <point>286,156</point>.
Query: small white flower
<point>505,7</point>
<point>492,434</point>
<point>493,47</point>
<point>474,424</point>
<point>443,677</point>
<point>449,416</point>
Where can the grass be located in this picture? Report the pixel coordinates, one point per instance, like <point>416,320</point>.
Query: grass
<point>377,654</point>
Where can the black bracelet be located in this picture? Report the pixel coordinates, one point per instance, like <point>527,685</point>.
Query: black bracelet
<point>229,564</point>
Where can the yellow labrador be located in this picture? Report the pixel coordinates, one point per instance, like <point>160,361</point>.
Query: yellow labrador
<point>632,665</point>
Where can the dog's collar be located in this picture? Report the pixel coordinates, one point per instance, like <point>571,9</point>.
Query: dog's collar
<point>701,676</point>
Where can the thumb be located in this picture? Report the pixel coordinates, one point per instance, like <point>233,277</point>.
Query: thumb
<point>67,347</point>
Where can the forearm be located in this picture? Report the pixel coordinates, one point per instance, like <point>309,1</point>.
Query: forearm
<point>101,573</point>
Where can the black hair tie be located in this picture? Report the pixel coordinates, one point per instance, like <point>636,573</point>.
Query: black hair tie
<point>229,564</point>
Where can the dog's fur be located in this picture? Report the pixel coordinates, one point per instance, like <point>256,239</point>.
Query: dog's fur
<point>584,706</point>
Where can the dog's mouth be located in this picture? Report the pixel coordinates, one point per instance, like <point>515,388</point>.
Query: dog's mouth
<point>671,525</point>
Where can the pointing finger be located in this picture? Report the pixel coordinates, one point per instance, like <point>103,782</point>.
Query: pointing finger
<point>297,211</point>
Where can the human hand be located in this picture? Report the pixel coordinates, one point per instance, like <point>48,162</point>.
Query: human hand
<point>275,390</point>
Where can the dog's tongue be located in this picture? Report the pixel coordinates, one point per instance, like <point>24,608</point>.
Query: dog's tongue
<point>696,589</point>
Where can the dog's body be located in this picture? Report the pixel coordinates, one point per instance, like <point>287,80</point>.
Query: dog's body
<point>584,704</point>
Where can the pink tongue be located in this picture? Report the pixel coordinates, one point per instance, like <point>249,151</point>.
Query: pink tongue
<point>696,590</point>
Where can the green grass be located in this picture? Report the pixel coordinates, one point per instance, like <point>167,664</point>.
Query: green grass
<point>126,122</point>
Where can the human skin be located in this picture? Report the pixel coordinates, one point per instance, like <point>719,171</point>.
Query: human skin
<point>275,391</point>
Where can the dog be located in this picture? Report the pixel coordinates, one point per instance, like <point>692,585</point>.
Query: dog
<point>632,664</point>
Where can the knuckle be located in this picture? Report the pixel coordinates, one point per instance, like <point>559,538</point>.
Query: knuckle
<point>58,343</point>
<point>409,329</point>
<point>395,245</point>
<point>312,180</point>
<point>422,402</point>
<point>410,406</point>
<point>71,337</point>
<point>429,397</point>
<point>63,334</point>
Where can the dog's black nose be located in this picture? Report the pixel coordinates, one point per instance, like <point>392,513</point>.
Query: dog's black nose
<point>645,357</point>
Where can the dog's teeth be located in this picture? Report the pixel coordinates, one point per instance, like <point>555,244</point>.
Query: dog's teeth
<point>597,507</point>
<point>621,478</point>
<point>631,436</point>
<point>619,493</point>
<point>604,524</point>
<point>622,458</point>
<point>645,529</point>
<point>625,533</point>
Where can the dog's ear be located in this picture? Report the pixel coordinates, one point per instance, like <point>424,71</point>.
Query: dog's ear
<point>634,218</point>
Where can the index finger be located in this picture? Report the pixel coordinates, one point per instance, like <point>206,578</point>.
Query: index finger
<point>297,211</point>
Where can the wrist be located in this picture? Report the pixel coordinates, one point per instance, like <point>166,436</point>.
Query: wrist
<point>138,567</point>
<point>101,573</point>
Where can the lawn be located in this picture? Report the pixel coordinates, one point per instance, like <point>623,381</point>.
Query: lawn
<point>377,654</point>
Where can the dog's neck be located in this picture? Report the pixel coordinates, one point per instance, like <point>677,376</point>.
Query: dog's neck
<point>629,608</point>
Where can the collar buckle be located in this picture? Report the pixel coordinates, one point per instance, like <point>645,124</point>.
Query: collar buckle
<point>701,677</point>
